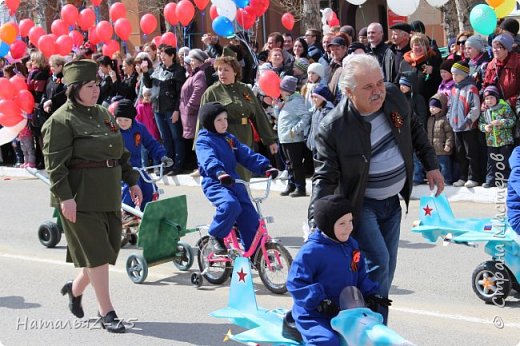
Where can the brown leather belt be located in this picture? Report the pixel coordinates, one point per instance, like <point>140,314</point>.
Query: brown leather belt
<point>94,164</point>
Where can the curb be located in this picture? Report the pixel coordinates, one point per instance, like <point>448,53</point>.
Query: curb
<point>454,194</point>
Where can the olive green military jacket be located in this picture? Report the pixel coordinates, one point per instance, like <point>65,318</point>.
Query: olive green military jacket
<point>242,106</point>
<point>77,133</point>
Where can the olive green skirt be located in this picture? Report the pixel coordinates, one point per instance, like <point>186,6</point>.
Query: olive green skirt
<point>94,239</point>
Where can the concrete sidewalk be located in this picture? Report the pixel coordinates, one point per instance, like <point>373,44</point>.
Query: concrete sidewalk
<point>477,194</point>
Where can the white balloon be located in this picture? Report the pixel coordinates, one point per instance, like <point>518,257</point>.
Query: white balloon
<point>437,3</point>
<point>220,3</point>
<point>403,7</point>
<point>7,134</point>
<point>323,20</point>
<point>325,29</point>
<point>229,10</point>
<point>357,2</point>
<point>327,13</point>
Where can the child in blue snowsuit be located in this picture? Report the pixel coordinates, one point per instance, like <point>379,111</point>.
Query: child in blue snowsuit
<point>329,261</point>
<point>513,191</point>
<point>135,135</point>
<point>218,153</point>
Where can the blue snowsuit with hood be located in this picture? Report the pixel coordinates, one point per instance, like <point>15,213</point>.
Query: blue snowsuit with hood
<point>135,138</point>
<point>513,191</point>
<point>221,153</point>
<point>321,269</point>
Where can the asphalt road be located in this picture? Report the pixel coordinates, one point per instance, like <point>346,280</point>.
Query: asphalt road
<point>433,300</point>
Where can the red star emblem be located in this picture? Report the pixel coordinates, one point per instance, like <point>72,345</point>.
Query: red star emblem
<point>241,275</point>
<point>427,210</point>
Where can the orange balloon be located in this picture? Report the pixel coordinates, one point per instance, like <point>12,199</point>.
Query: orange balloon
<point>495,3</point>
<point>8,32</point>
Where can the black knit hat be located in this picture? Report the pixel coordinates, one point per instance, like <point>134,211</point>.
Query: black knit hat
<point>125,109</point>
<point>208,113</point>
<point>328,210</point>
<point>446,65</point>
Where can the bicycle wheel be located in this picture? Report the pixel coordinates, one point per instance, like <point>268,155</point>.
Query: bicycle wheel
<point>274,278</point>
<point>216,272</point>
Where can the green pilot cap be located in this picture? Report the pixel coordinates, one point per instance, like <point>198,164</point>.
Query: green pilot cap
<point>80,71</point>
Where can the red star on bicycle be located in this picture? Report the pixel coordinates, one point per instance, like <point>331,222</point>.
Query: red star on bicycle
<point>428,210</point>
<point>241,275</point>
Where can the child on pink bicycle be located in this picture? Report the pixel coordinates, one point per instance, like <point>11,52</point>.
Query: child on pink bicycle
<point>218,153</point>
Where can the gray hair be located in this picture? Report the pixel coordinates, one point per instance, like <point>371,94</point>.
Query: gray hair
<point>354,63</point>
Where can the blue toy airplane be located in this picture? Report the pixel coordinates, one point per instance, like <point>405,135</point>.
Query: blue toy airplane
<point>357,326</point>
<point>492,280</point>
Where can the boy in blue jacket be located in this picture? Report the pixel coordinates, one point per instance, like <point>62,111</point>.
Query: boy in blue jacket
<point>218,153</point>
<point>329,261</point>
<point>135,135</point>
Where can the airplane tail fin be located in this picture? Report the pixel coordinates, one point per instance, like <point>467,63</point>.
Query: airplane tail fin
<point>241,293</point>
<point>434,210</point>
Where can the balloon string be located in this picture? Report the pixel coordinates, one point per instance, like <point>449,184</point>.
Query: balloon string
<point>363,14</point>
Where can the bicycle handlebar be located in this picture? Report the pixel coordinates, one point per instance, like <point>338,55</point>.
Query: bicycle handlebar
<point>267,190</point>
<point>146,177</point>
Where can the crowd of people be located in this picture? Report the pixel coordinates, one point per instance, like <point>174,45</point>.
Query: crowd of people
<point>466,101</point>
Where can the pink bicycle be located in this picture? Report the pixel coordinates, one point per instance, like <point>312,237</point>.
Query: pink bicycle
<point>269,257</point>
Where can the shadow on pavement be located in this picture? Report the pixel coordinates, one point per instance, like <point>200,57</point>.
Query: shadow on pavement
<point>16,302</point>
<point>184,332</point>
<point>405,244</point>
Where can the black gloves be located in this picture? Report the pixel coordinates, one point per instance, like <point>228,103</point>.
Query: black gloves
<point>272,173</point>
<point>225,179</point>
<point>166,161</point>
<point>375,300</point>
<point>327,307</point>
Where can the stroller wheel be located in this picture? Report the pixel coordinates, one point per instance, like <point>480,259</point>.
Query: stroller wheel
<point>49,234</point>
<point>136,268</point>
<point>196,279</point>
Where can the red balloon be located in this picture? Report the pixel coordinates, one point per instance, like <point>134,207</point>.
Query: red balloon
<point>69,13</point>
<point>255,7</point>
<point>185,12</point>
<point>17,50</point>
<point>59,27</point>
<point>148,23</point>
<point>25,100</point>
<point>123,28</point>
<point>18,82</point>
<point>169,13</point>
<point>104,31</point>
<point>245,19</point>
<point>35,33</point>
<point>288,21</point>
<point>12,114</point>
<point>110,48</point>
<point>117,10</point>
<point>269,82</point>
<point>265,6</point>
<point>87,19</point>
<point>92,36</point>
<point>47,45</point>
<point>12,5</point>
<point>201,4</point>
<point>157,40</point>
<point>7,90</point>
<point>25,25</point>
<point>96,2</point>
<point>64,45</point>
<point>77,38</point>
<point>169,38</point>
<point>213,12</point>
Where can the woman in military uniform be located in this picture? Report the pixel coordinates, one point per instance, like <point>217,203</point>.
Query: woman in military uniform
<point>86,161</point>
<point>242,106</point>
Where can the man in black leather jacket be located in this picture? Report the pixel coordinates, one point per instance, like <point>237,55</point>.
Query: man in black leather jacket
<point>365,152</point>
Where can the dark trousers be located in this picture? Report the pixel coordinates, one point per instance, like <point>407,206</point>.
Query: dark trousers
<point>294,156</point>
<point>498,164</point>
<point>469,155</point>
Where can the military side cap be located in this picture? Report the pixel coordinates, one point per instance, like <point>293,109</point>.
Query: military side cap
<point>80,71</point>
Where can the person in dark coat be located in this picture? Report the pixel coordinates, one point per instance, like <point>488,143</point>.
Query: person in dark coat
<point>329,261</point>
<point>218,153</point>
<point>365,152</point>
<point>55,89</point>
<point>86,160</point>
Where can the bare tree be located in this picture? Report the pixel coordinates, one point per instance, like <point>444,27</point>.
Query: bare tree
<point>307,12</point>
<point>456,16</point>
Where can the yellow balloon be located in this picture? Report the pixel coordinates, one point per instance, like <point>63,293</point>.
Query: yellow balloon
<point>506,8</point>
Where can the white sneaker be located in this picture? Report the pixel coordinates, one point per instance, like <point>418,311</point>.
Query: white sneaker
<point>459,183</point>
<point>471,183</point>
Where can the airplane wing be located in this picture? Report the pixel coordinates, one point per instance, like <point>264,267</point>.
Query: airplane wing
<point>264,334</point>
<point>481,236</point>
<point>432,233</point>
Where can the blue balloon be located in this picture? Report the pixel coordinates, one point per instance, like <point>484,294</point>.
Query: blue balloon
<point>241,3</point>
<point>483,19</point>
<point>223,26</point>
<point>4,49</point>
